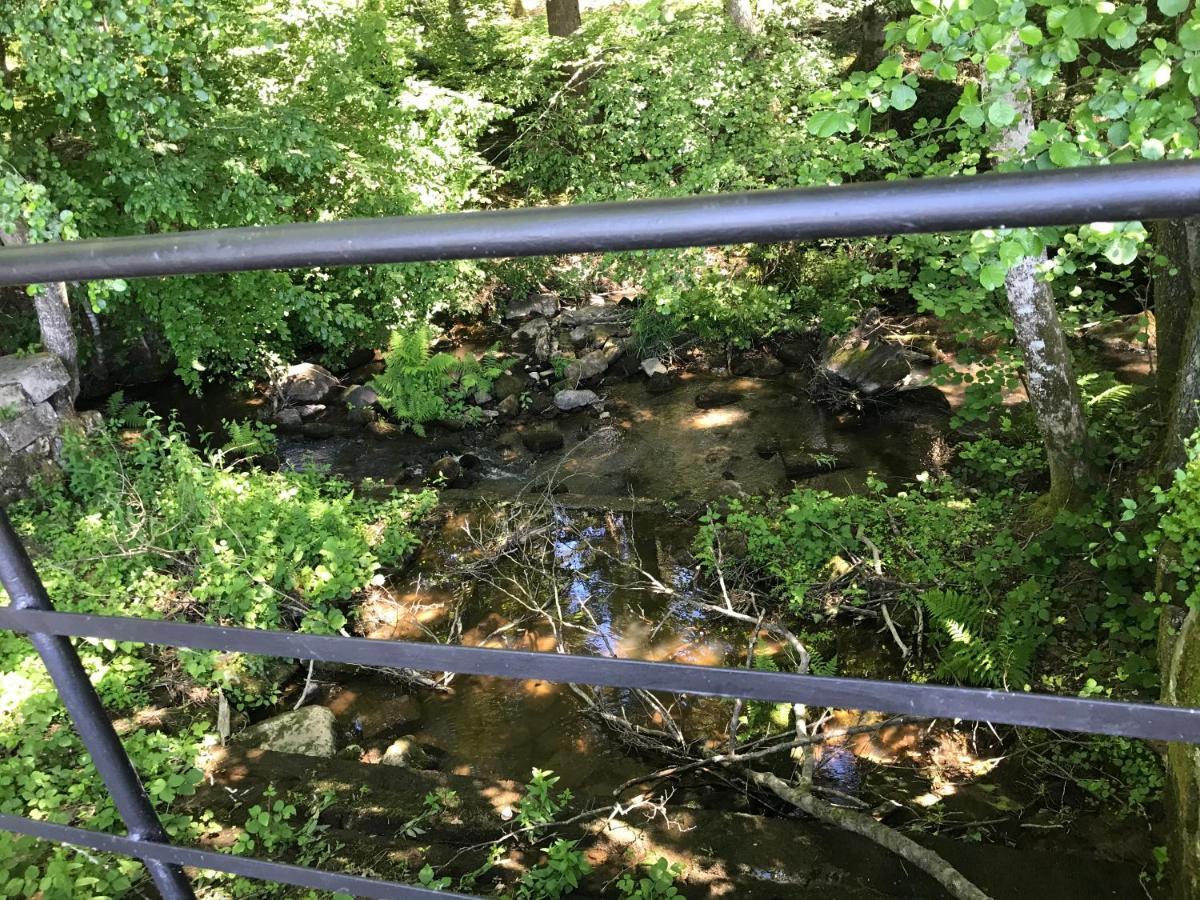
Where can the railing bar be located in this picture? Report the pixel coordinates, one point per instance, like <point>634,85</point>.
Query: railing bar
<point>87,713</point>
<point>1142,720</point>
<point>1158,190</point>
<point>259,869</point>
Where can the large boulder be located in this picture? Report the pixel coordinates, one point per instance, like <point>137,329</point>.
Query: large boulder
<point>34,404</point>
<point>360,396</point>
<point>861,366</point>
<point>509,384</point>
<point>308,731</point>
<point>307,383</point>
<point>39,376</point>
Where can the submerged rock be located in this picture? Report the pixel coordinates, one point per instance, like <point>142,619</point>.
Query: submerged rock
<point>569,400</point>
<point>307,731</point>
<point>661,383</point>
<point>406,753</point>
<point>711,398</point>
<point>446,469</point>
<point>542,438</point>
<point>307,383</point>
<point>802,464</point>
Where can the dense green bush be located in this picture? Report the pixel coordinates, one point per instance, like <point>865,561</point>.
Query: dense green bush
<point>145,524</point>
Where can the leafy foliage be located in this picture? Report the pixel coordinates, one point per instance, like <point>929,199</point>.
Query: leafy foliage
<point>986,646</point>
<point>657,884</point>
<point>419,386</point>
<point>558,876</point>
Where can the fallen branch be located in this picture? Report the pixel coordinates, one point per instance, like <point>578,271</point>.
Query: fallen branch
<point>862,824</point>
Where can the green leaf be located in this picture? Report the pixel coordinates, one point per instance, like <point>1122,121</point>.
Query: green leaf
<point>1152,148</point>
<point>1172,7</point>
<point>903,97</point>
<point>1122,251</point>
<point>972,115</point>
<point>1081,22</point>
<point>996,63</point>
<point>1064,153</point>
<point>1031,35</point>
<point>829,122</point>
<point>992,275</point>
<point>1001,113</point>
<point>1189,35</point>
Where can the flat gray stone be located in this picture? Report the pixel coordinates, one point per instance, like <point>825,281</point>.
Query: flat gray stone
<point>533,305</point>
<point>40,375</point>
<point>29,426</point>
<point>307,731</point>
<point>569,400</point>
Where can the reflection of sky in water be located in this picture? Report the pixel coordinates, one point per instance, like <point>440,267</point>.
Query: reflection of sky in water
<point>838,767</point>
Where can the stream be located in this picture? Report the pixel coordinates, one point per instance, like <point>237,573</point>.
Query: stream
<point>617,505</point>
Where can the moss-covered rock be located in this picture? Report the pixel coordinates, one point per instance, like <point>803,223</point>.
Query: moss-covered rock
<point>1181,687</point>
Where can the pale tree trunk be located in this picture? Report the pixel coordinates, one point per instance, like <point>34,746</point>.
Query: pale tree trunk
<point>562,17</point>
<point>741,13</point>
<point>54,317</point>
<point>1049,371</point>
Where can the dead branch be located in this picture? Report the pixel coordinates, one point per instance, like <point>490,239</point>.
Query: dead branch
<point>862,824</point>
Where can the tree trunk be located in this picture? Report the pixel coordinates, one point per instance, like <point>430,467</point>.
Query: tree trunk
<point>1049,370</point>
<point>53,310</point>
<point>1177,334</point>
<point>872,37</point>
<point>741,13</point>
<point>562,17</point>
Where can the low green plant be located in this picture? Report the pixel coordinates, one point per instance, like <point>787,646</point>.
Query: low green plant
<point>540,804</point>
<point>986,644</point>
<point>559,876</point>
<point>657,882</point>
<point>418,386</point>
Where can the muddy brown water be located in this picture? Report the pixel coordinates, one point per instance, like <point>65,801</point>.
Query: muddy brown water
<point>610,493</point>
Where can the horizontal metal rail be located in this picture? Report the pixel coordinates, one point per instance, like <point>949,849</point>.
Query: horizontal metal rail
<point>1143,720</point>
<point>1057,197</point>
<point>165,854</point>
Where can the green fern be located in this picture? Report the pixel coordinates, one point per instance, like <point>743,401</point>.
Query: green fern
<point>418,386</point>
<point>992,647</point>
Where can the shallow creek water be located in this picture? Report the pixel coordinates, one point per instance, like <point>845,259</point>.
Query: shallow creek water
<point>606,497</point>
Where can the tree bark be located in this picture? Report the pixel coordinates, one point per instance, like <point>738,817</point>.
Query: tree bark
<point>872,37</point>
<point>741,13</point>
<point>562,17</point>
<point>1177,334</point>
<point>53,309</point>
<point>1049,370</point>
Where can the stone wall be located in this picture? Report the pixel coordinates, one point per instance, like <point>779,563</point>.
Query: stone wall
<point>34,405</point>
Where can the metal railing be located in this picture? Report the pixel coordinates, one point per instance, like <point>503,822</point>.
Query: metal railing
<point>1062,197</point>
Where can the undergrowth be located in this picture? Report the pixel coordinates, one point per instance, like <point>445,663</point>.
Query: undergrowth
<point>144,523</point>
